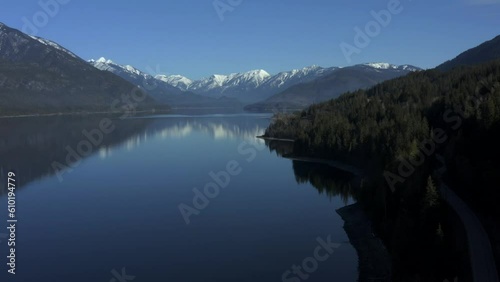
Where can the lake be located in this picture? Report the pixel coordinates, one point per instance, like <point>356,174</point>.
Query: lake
<point>167,198</point>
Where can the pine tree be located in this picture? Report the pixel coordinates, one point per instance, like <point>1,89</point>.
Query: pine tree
<point>431,199</point>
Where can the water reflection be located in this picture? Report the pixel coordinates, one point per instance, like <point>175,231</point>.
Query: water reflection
<point>220,128</point>
<point>326,179</point>
<point>123,201</point>
<point>30,146</point>
<point>329,181</point>
<point>281,148</point>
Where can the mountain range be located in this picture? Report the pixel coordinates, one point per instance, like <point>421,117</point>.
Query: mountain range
<point>331,86</point>
<point>40,76</point>
<point>249,86</point>
<point>164,92</point>
<point>258,85</point>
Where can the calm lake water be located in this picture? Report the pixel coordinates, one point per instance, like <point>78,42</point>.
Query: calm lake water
<point>117,209</point>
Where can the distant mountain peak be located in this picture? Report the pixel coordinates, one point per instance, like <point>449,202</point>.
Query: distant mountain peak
<point>387,66</point>
<point>54,72</point>
<point>312,67</point>
<point>108,65</point>
<point>176,80</point>
<point>102,60</point>
<point>252,85</point>
<point>379,65</point>
<point>259,71</point>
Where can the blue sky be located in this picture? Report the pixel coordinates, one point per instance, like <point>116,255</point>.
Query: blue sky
<point>189,38</point>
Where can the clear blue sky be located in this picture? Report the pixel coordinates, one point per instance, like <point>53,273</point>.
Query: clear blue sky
<point>187,37</point>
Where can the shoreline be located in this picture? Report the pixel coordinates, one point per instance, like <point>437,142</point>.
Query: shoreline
<point>275,139</point>
<point>374,261</point>
<point>76,114</point>
<point>162,111</point>
<point>335,164</point>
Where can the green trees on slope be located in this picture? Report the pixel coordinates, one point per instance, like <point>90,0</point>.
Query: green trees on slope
<point>394,122</point>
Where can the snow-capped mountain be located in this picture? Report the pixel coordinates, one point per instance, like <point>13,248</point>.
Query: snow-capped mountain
<point>240,85</point>
<point>283,80</point>
<point>108,65</point>
<point>170,90</point>
<point>178,81</point>
<point>331,85</point>
<point>137,77</point>
<point>248,86</point>
<point>387,66</point>
<point>40,76</point>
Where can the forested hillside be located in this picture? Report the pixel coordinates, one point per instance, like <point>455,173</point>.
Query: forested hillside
<point>394,131</point>
<point>483,53</point>
<point>389,121</point>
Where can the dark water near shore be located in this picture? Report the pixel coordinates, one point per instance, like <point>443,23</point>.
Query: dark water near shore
<point>117,209</point>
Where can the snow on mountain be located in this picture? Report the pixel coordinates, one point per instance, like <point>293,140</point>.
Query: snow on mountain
<point>53,44</point>
<point>178,81</point>
<point>252,78</point>
<point>223,83</point>
<point>248,86</point>
<point>103,60</point>
<point>212,82</point>
<point>131,69</point>
<point>383,66</point>
<point>286,79</point>
<point>409,68</point>
<point>251,85</point>
<point>386,66</point>
<point>108,65</point>
<point>157,88</point>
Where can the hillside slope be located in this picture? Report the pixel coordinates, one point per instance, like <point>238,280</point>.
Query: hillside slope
<point>331,86</point>
<point>38,76</point>
<point>485,52</point>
